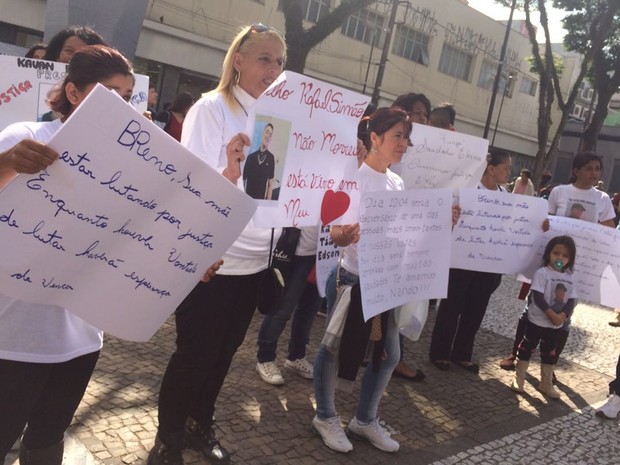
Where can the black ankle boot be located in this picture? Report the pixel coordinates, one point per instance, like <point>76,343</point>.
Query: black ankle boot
<point>168,453</point>
<point>51,455</point>
<point>202,439</point>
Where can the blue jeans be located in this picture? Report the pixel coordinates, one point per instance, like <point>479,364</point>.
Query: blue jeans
<point>373,382</point>
<point>300,297</point>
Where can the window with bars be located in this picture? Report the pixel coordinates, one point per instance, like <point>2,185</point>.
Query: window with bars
<point>314,10</point>
<point>365,26</point>
<point>528,86</point>
<point>455,62</point>
<point>487,75</point>
<point>486,79</point>
<point>411,44</point>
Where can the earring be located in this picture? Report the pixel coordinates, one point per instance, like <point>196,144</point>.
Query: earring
<point>237,77</point>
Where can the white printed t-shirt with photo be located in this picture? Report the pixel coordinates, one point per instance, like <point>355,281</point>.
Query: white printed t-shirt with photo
<point>586,204</point>
<point>556,288</point>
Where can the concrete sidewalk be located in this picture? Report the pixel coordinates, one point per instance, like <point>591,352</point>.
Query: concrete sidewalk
<point>451,417</point>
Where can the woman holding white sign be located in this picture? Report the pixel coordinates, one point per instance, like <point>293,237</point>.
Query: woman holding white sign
<point>47,354</point>
<point>213,319</point>
<point>388,130</point>
<point>459,316</point>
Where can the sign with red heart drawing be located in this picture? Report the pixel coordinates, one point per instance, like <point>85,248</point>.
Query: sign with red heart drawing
<point>303,156</point>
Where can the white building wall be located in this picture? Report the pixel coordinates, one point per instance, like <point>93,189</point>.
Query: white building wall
<point>194,35</point>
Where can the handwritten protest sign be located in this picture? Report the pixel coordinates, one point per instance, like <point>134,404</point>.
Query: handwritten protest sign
<point>316,176</point>
<point>402,250</point>
<point>597,264</point>
<point>25,83</point>
<point>441,158</point>
<point>327,256</point>
<point>497,232</point>
<point>121,227</point>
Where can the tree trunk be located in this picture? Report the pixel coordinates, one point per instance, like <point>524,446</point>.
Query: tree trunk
<point>300,41</point>
<point>589,137</point>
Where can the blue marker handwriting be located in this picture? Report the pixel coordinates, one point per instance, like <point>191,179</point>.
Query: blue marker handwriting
<point>23,276</point>
<point>202,239</point>
<point>175,259</point>
<point>99,221</point>
<point>8,219</point>
<point>53,239</point>
<point>167,216</point>
<point>127,192</point>
<point>136,236</point>
<point>99,255</point>
<point>79,162</point>
<point>147,284</point>
<point>134,137</point>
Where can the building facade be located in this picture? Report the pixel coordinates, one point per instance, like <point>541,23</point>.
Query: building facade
<point>442,48</point>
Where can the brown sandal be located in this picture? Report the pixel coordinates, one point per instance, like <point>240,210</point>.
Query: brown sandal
<point>508,363</point>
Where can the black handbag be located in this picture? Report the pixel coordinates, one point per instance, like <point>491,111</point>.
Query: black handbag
<point>273,282</point>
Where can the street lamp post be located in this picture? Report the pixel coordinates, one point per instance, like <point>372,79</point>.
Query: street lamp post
<point>502,59</point>
<point>501,105</point>
<point>372,47</point>
<point>384,54</point>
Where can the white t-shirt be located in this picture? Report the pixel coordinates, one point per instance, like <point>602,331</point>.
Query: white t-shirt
<point>308,241</point>
<point>40,333</point>
<point>370,181</point>
<point>207,129</point>
<point>586,204</point>
<point>557,288</point>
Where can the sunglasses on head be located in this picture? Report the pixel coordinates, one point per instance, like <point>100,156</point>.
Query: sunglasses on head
<point>258,27</point>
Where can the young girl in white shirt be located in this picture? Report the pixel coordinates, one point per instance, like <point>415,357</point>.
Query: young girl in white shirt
<point>550,303</point>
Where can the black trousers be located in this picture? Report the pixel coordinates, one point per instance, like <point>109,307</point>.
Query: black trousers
<point>614,386</point>
<point>548,339</point>
<point>460,315</point>
<point>520,333</point>
<point>43,395</point>
<point>211,324</point>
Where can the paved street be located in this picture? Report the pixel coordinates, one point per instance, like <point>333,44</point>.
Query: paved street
<point>451,417</point>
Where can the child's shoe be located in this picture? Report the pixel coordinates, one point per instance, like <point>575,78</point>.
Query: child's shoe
<point>546,383</point>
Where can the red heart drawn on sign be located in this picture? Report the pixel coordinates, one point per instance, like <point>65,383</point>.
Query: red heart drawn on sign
<point>334,205</point>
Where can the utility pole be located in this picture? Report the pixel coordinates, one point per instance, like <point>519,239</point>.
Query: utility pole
<point>384,53</point>
<point>372,48</point>
<point>502,59</point>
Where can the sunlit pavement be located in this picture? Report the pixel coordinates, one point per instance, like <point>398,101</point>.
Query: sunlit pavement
<point>451,417</point>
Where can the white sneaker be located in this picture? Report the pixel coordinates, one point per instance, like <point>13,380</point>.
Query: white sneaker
<point>610,409</point>
<point>332,434</point>
<point>301,366</point>
<point>374,433</point>
<point>270,373</point>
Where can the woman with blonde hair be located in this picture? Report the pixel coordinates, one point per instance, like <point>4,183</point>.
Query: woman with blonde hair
<point>213,319</point>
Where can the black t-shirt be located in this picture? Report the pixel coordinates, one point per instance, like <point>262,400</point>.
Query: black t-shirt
<point>258,170</point>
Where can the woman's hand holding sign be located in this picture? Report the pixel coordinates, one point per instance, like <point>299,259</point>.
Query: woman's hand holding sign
<point>27,156</point>
<point>211,272</point>
<point>234,154</point>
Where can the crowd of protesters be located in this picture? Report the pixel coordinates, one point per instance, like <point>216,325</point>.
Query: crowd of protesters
<point>47,354</point>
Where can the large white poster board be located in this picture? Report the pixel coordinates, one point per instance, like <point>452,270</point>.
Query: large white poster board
<point>122,227</point>
<point>597,265</point>
<point>25,83</point>
<point>441,158</point>
<point>497,232</point>
<point>315,130</point>
<point>403,254</point>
